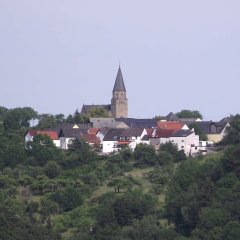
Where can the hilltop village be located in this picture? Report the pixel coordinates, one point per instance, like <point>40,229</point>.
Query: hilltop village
<point>116,130</point>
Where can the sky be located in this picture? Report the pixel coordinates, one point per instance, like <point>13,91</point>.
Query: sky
<point>56,55</point>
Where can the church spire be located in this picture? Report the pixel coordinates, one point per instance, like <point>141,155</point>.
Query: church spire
<point>119,83</point>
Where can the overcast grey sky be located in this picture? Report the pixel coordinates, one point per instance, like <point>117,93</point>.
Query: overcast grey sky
<point>56,55</point>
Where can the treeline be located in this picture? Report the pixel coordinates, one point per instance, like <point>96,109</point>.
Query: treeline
<point>48,193</point>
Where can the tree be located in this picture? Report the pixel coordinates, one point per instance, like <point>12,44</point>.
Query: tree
<point>144,154</point>
<point>3,113</point>
<point>47,121</point>
<point>233,132</point>
<point>189,114</point>
<point>173,150</point>
<point>60,118</point>
<point>43,149</point>
<point>98,112</point>
<point>132,205</point>
<point>81,150</point>
<point>18,118</point>
<point>121,183</point>
<point>52,169</point>
<point>68,199</point>
<point>198,131</point>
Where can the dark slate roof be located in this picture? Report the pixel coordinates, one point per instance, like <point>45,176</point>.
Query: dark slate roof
<point>172,117</point>
<point>139,123</point>
<point>133,132</point>
<point>122,134</point>
<point>227,119</point>
<point>188,120</point>
<point>113,134</point>
<point>70,132</point>
<point>119,83</point>
<point>182,133</point>
<point>86,108</point>
<point>70,125</point>
<point>145,138</point>
<point>210,127</point>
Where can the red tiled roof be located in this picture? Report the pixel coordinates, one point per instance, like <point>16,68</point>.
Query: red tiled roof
<point>52,134</point>
<point>91,139</point>
<point>170,125</point>
<point>163,133</point>
<point>32,132</point>
<point>93,131</point>
<point>149,131</point>
<point>123,143</point>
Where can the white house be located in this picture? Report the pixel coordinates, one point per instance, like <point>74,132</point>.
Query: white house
<point>187,141</point>
<point>68,134</point>
<point>115,138</point>
<point>52,134</point>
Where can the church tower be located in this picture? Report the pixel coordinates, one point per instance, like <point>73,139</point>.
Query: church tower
<point>119,103</point>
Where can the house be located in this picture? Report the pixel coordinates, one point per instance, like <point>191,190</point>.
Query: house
<point>91,139</point>
<point>53,135</point>
<point>68,133</point>
<point>172,125</point>
<point>135,136</point>
<point>215,131</point>
<point>187,141</point>
<point>173,117</point>
<point>160,136</point>
<point>139,122</point>
<point>106,123</point>
<point>110,141</point>
<point>116,138</point>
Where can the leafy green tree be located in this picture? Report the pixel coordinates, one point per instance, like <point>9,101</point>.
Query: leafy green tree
<point>18,118</point>
<point>231,160</point>
<point>144,154</point>
<point>13,154</point>
<point>60,118</point>
<point>52,169</point>
<point>70,119</point>
<point>198,131</point>
<point>164,158</point>
<point>81,151</point>
<point>233,132</point>
<point>173,150</point>
<point>189,114</point>
<point>148,229</point>
<point>3,113</point>
<point>43,149</point>
<point>46,121</point>
<point>98,112</point>
<point>121,183</point>
<point>190,190</point>
<point>68,199</point>
<point>132,205</point>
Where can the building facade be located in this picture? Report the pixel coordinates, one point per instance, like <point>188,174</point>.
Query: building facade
<point>119,103</point>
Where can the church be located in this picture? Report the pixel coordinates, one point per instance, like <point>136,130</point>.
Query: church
<point>119,103</point>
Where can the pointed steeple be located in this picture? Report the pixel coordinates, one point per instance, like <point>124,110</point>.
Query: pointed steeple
<point>119,83</point>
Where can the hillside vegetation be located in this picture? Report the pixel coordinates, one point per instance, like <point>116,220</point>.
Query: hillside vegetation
<point>47,193</point>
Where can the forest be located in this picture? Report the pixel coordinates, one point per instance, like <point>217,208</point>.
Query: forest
<point>77,194</point>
